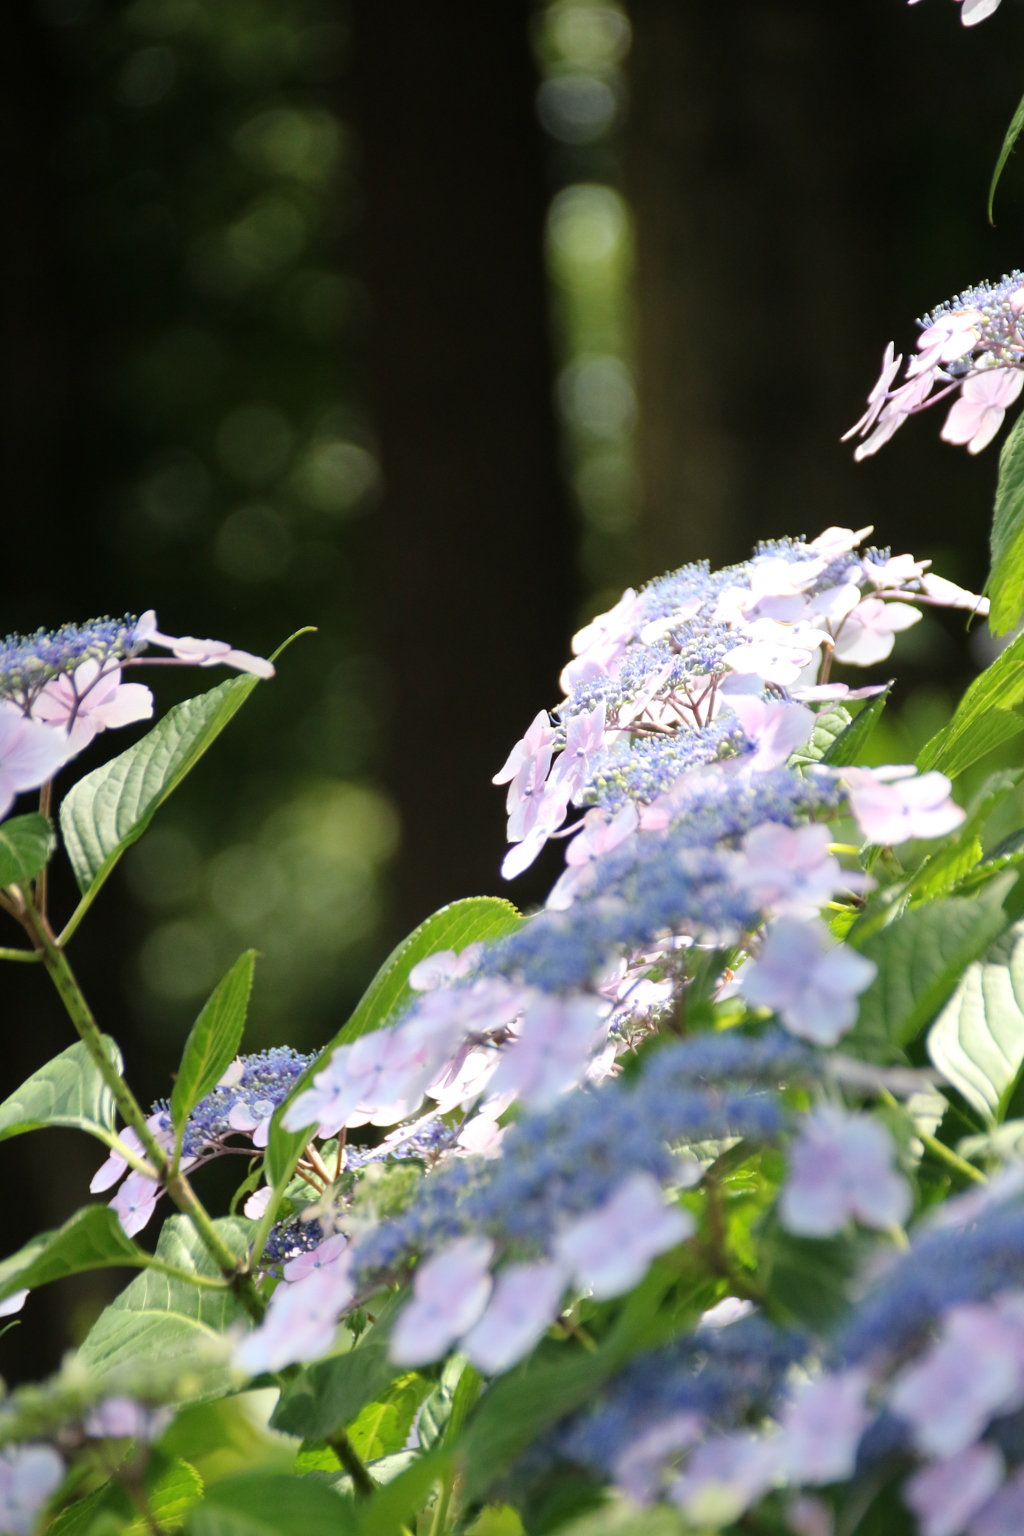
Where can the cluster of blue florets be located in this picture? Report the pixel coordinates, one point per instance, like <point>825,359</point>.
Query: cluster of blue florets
<point>956,1263</point>
<point>999,326</point>
<point>561,1163</point>
<point>650,766</point>
<point>290,1239</point>
<point>267,1079</point>
<point>673,881</point>
<point>730,1377</point>
<point>29,662</point>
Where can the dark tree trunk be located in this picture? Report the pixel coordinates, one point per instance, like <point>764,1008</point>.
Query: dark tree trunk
<point>807,179</point>
<point>476,595</point>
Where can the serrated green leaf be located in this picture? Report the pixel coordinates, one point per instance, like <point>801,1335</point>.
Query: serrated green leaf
<point>989,714</point>
<point>171,1487</point>
<point>165,1325</point>
<point>477,919</point>
<point>1006,580</point>
<point>214,1038</point>
<point>272,1504</point>
<point>977,1042</point>
<point>329,1394</point>
<point>91,1239</point>
<point>382,1428</point>
<point>829,727</point>
<point>26,843</point>
<point>69,1091</point>
<point>104,813</point>
<point>850,743</point>
<point>920,958</point>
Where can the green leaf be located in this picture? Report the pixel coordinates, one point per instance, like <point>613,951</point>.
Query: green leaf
<point>920,958</point>
<point>1012,134</point>
<point>989,713</point>
<point>162,1325</point>
<point>171,1487</point>
<point>26,843</point>
<point>806,1277</point>
<point>1006,579</point>
<point>620,1517</point>
<point>475,919</point>
<point>829,726</point>
<point>69,1091</point>
<point>104,813</point>
<point>329,1394</point>
<point>92,1239</point>
<point>214,1039</point>
<point>977,1042</point>
<point>272,1504</point>
<point>388,1510</point>
<point>850,743</point>
<point>382,1428</point>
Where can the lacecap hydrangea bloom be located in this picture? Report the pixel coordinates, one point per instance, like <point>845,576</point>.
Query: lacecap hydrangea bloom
<point>701,830</point>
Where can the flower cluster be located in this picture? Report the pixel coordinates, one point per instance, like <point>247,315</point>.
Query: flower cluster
<point>241,1105</point>
<point>60,688</point>
<point>972,347</point>
<point>930,1370</point>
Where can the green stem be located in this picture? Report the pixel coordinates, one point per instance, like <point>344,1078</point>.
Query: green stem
<point>29,955</point>
<point>187,1276</point>
<point>939,1149</point>
<point>947,1155</point>
<point>353,1463</point>
<point>466,1394</point>
<point>177,1185</point>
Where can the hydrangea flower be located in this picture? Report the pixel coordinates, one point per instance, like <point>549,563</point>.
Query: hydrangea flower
<point>809,980</point>
<point>972,1373</point>
<point>450,1292</point>
<point>525,1301</point>
<point>893,803</point>
<point>972,344</point>
<point>30,754</point>
<point>945,1495</point>
<point>608,1251</point>
<point>89,700</point>
<point>841,1168</point>
<point>29,1474</point>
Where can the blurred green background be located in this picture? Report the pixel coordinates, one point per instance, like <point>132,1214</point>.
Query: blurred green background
<point>434,324</point>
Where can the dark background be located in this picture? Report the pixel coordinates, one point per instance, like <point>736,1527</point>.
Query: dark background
<point>279,348</point>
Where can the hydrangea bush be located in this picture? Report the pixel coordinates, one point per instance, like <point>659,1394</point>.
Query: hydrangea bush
<point>691,1202</point>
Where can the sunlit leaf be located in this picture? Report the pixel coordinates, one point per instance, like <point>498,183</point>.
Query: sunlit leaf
<point>91,1239</point>
<point>26,842</point>
<point>850,743</point>
<point>171,1487</point>
<point>829,727</point>
<point>920,958</point>
<point>165,1324</point>
<point>214,1038</point>
<point>68,1091</point>
<point>272,1504</point>
<point>990,712</point>
<point>977,1042</point>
